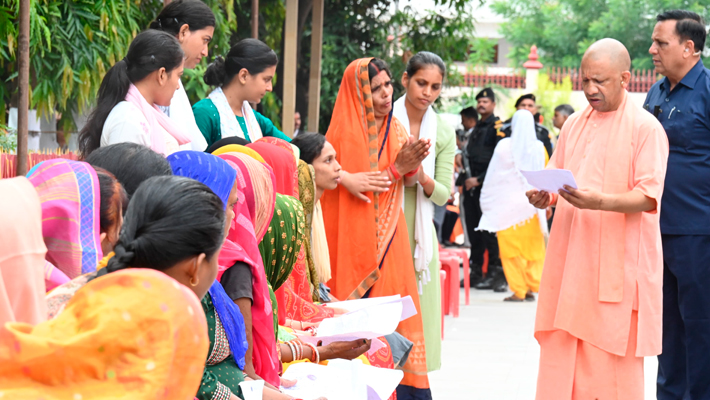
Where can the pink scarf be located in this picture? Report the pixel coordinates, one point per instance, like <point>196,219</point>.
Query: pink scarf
<point>156,119</point>
<point>242,242</point>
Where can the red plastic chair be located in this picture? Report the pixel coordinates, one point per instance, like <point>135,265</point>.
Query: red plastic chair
<point>451,266</point>
<point>463,254</point>
<point>442,280</point>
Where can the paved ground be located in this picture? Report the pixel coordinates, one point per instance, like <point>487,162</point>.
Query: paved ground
<point>489,352</point>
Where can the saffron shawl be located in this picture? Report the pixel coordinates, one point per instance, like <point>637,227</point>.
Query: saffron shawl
<point>70,197</point>
<point>368,242</point>
<point>616,180</point>
<point>133,334</point>
<point>22,252</point>
<point>252,215</point>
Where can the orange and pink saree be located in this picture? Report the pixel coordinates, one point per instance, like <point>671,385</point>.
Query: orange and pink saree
<point>368,242</point>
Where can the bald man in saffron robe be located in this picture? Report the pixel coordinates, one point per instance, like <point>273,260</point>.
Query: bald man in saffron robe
<point>600,304</point>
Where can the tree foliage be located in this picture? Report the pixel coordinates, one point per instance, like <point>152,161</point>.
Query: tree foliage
<point>73,43</point>
<point>564,29</point>
<point>365,28</point>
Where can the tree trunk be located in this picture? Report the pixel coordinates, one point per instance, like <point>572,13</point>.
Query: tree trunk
<point>255,19</point>
<point>24,83</point>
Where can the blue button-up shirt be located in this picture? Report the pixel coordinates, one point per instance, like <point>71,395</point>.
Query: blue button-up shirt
<point>684,113</point>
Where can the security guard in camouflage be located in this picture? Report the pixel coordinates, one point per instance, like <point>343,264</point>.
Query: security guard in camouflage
<point>477,155</point>
<point>527,102</point>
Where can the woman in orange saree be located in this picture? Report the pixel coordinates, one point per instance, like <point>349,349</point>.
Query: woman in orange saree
<point>368,240</point>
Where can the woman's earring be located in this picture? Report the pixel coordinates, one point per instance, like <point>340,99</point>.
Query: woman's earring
<point>193,281</point>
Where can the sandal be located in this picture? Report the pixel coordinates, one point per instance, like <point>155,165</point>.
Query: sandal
<point>514,298</point>
<point>529,296</point>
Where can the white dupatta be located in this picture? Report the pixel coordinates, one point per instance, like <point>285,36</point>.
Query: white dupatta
<point>423,221</point>
<point>180,111</point>
<point>503,199</point>
<point>228,121</point>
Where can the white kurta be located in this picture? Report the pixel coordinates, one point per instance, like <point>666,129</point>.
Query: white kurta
<point>126,123</point>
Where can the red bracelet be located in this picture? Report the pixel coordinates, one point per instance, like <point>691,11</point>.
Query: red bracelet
<point>426,181</point>
<point>411,174</point>
<point>393,170</point>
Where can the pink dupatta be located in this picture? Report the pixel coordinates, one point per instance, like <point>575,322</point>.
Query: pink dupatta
<point>156,120</point>
<point>70,197</point>
<point>253,214</point>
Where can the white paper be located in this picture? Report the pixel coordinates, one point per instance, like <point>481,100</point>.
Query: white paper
<point>252,390</point>
<point>408,308</point>
<point>550,180</point>
<point>381,320</point>
<point>312,381</point>
<point>366,323</point>
<point>342,380</point>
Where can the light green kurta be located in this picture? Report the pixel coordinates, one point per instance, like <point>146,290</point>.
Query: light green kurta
<point>430,300</point>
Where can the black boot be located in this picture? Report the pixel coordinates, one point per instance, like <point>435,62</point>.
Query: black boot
<point>476,275</point>
<point>492,279</point>
<point>474,279</point>
<point>487,282</point>
<point>500,284</point>
<point>500,287</point>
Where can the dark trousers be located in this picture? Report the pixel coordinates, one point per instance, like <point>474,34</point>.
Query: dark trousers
<point>449,224</point>
<point>480,240</point>
<point>684,365</point>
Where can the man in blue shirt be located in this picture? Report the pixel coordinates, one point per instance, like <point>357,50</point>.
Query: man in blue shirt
<point>681,102</point>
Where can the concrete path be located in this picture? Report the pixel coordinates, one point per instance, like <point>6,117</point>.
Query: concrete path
<point>489,352</point>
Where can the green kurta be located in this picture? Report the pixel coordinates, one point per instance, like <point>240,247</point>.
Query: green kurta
<point>430,300</point>
<point>207,119</point>
<point>221,374</point>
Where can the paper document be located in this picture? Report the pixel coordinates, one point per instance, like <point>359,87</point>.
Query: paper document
<point>408,308</point>
<point>252,390</point>
<point>550,180</point>
<point>342,380</point>
<point>366,323</point>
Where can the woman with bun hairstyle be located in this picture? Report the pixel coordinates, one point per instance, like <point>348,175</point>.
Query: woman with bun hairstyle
<point>242,77</point>
<point>192,23</point>
<point>130,93</point>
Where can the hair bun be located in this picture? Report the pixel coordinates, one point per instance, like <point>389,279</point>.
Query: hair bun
<point>216,72</point>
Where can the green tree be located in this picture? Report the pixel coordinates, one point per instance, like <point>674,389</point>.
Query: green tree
<point>73,43</point>
<point>360,28</point>
<point>564,29</point>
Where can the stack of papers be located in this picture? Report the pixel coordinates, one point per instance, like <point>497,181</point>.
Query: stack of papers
<point>367,319</point>
<point>342,380</point>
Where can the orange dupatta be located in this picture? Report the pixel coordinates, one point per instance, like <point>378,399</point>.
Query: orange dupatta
<point>368,242</point>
